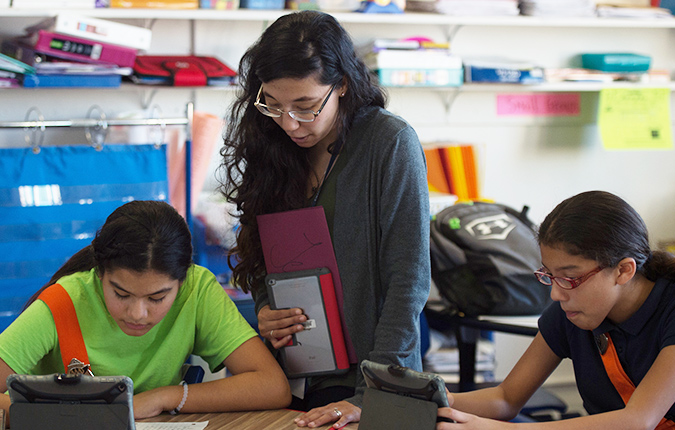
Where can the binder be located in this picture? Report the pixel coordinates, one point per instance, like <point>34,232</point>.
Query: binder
<point>99,30</point>
<point>435,174</point>
<point>79,49</point>
<point>318,349</point>
<point>156,4</point>
<point>14,65</point>
<point>71,81</point>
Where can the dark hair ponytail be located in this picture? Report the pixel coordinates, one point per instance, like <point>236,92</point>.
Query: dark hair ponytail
<point>661,264</point>
<point>140,235</point>
<point>600,226</point>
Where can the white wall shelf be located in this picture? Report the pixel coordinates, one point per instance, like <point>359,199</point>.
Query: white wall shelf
<point>410,18</point>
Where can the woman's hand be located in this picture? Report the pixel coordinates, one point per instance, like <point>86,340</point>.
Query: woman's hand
<point>278,326</point>
<point>343,412</point>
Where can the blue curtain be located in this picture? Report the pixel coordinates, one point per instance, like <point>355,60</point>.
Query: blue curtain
<point>52,203</point>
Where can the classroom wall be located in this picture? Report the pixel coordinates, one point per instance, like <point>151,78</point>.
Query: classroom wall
<point>534,161</point>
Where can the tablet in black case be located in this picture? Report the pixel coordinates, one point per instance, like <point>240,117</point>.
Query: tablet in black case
<point>71,402</point>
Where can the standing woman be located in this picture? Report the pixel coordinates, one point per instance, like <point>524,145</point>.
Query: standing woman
<point>310,128</point>
<point>143,308</point>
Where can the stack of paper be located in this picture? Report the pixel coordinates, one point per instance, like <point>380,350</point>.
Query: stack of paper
<point>557,8</point>
<point>605,11</point>
<point>443,355</point>
<point>406,63</point>
<point>478,7</point>
<point>628,3</point>
<point>465,7</point>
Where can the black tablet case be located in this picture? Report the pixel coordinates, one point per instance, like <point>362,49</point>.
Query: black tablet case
<point>388,411</point>
<point>56,402</point>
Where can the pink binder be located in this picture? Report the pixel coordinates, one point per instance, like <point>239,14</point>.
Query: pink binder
<point>85,50</point>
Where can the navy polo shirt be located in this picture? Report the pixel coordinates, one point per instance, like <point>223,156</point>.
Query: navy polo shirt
<point>638,341</point>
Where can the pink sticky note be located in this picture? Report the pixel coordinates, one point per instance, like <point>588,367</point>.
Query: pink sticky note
<point>544,104</point>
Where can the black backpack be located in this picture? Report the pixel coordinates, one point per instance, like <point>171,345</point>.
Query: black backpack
<point>483,256</point>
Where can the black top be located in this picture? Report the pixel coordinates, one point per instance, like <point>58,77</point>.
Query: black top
<point>638,341</point>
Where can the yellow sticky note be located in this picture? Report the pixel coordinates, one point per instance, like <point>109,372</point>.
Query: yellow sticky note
<point>631,119</point>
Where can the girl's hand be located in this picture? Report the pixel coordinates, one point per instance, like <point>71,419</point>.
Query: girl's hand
<point>466,421</point>
<point>451,398</point>
<point>342,412</point>
<point>278,326</point>
<point>151,403</point>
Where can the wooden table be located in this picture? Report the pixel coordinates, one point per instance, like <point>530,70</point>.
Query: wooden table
<point>279,419</point>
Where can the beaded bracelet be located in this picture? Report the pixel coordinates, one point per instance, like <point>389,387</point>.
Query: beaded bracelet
<point>182,402</point>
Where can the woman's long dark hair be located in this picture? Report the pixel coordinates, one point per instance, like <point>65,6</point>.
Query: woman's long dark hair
<point>600,226</point>
<point>264,171</point>
<point>141,235</point>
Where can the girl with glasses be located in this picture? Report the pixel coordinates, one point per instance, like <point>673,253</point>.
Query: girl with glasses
<point>143,308</point>
<point>614,318</point>
<point>310,129</point>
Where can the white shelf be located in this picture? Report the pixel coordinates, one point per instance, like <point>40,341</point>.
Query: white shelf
<point>410,18</point>
<point>562,87</point>
<point>469,88</point>
<point>546,87</point>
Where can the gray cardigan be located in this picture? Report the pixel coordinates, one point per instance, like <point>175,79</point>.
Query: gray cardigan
<point>381,240</point>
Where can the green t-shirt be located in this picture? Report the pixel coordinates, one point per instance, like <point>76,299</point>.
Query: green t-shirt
<point>203,321</point>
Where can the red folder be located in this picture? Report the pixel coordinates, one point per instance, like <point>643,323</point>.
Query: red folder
<point>299,240</point>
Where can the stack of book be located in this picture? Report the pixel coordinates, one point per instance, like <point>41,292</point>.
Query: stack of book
<point>75,51</point>
<point>452,169</point>
<point>607,11</point>
<point>12,71</point>
<point>465,7</point>
<point>557,8</point>
<point>412,63</point>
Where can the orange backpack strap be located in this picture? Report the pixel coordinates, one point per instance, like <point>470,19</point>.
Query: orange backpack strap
<point>68,330</point>
<point>621,381</point>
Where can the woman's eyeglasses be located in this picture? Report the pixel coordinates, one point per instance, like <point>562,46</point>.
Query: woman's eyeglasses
<point>298,115</point>
<point>564,283</point>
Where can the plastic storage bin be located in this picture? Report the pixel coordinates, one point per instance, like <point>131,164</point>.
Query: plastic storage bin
<point>616,62</point>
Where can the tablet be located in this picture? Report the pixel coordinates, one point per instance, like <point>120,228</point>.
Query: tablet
<point>71,402</point>
<point>320,347</point>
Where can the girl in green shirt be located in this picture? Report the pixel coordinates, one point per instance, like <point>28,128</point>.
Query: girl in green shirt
<point>143,308</point>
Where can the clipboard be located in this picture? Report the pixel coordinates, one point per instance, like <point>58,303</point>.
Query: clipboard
<point>320,348</point>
